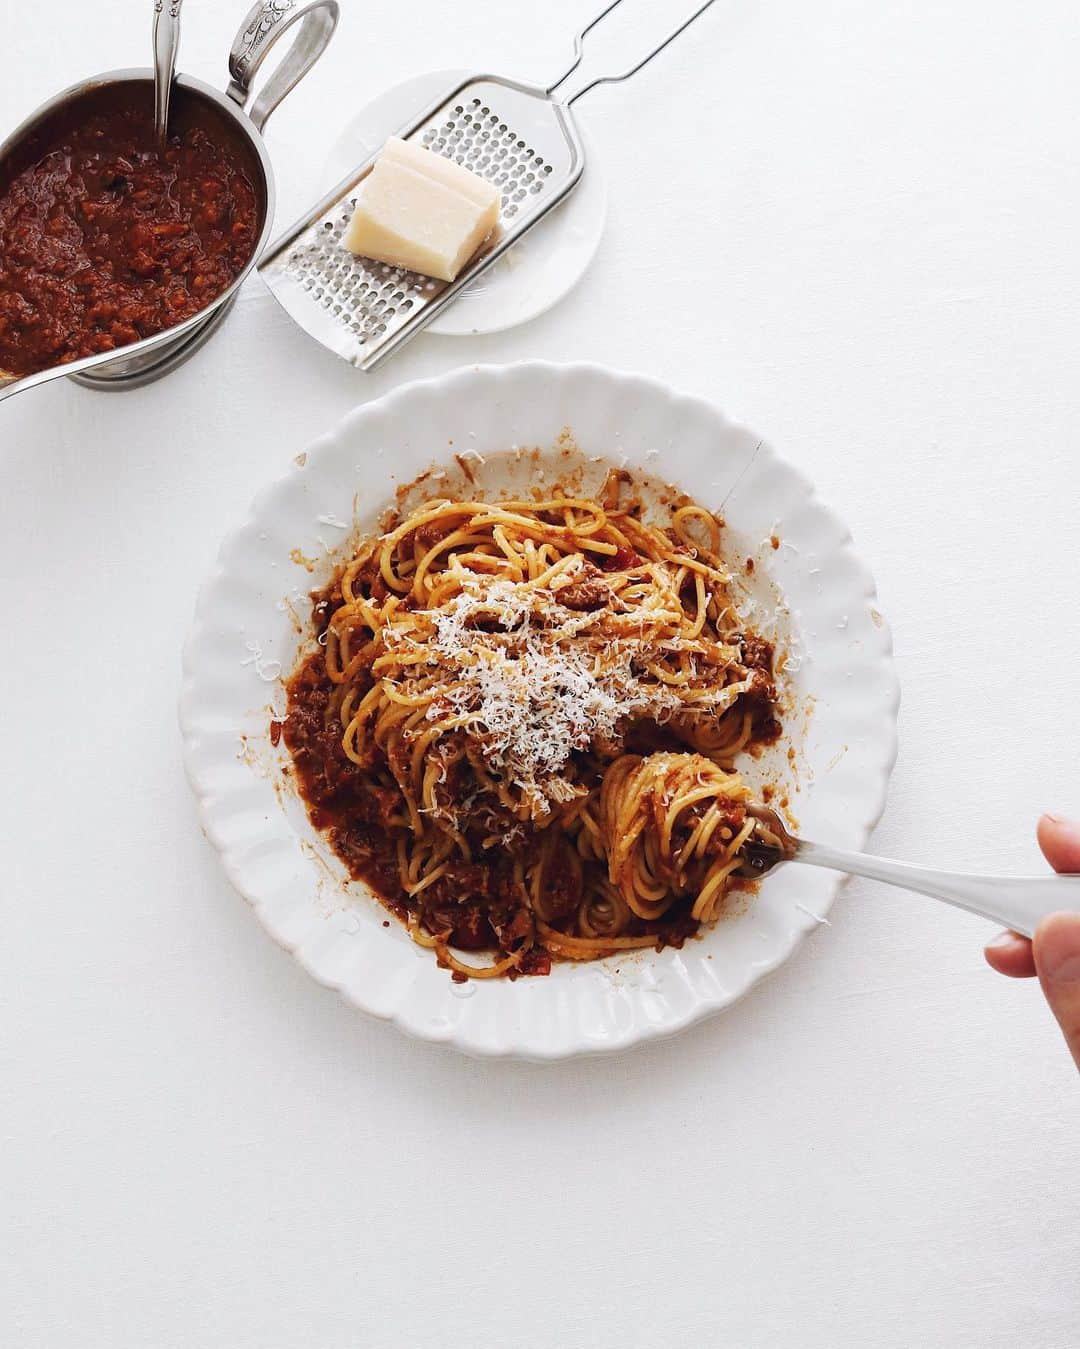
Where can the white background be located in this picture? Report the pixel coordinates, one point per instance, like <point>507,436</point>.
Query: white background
<point>855,227</point>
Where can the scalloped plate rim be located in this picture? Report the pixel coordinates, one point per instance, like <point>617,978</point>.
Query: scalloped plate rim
<point>703,1005</point>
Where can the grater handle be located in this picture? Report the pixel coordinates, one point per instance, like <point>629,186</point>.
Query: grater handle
<point>267,21</point>
<point>579,52</point>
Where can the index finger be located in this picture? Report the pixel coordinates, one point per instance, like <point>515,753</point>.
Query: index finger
<point>1060,841</point>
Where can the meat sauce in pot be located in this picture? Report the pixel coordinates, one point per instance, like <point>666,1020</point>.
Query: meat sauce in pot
<point>105,239</point>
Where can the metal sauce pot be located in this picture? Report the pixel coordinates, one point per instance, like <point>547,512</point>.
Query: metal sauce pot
<point>224,115</point>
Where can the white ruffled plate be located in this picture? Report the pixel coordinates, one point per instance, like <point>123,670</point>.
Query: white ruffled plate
<point>249,627</point>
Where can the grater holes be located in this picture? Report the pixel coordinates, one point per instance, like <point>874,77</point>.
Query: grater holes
<point>368,301</point>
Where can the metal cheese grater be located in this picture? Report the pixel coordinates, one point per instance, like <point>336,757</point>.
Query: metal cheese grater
<point>520,137</point>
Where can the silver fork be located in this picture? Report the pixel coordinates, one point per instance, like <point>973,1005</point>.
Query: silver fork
<point>1017,902</point>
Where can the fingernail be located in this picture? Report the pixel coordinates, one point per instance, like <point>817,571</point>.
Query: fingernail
<point>1070,821</point>
<point>1005,938</point>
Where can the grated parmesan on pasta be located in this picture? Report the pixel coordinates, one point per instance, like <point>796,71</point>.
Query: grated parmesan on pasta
<point>550,681</point>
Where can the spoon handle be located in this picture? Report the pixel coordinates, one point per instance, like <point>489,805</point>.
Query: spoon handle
<point>1018,902</point>
<point>166,43</point>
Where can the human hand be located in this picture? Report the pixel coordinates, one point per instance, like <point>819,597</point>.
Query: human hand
<point>1054,954</point>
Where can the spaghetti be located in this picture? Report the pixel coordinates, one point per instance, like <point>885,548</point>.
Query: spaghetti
<point>520,722</point>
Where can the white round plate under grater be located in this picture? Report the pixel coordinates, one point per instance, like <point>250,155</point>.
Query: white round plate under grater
<point>522,138</point>
<point>537,272</point>
<point>245,638</point>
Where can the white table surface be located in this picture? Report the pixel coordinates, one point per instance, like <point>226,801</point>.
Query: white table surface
<point>854,226</point>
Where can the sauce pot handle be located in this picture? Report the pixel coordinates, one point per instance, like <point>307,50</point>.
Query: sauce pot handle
<point>262,27</point>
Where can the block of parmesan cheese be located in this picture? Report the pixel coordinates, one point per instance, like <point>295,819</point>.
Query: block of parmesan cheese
<point>421,211</point>
<point>440,168</point>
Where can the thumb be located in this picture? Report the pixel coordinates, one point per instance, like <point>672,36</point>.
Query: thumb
<point>1057,941</point>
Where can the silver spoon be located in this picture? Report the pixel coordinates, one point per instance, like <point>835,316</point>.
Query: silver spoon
<point>1017,902</point>
<point>166,43</point>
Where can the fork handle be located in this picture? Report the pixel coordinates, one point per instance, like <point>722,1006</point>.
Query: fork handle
<point>1018,902</point>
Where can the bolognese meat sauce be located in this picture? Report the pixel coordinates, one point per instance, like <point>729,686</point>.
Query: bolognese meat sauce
<point>106,239</point>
